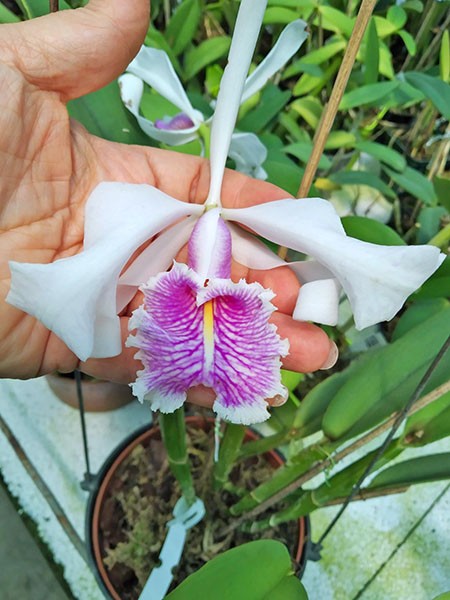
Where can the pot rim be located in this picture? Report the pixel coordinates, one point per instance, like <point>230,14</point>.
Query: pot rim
<point>106,473</point>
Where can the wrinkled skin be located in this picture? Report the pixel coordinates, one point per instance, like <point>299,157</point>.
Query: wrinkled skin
<point>50,164</point>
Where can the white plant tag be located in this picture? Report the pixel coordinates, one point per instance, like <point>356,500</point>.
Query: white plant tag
<point>161,577</point>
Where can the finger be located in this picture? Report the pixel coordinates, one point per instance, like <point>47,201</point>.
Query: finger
<point>75,52</point>
<point>283,282</point>
<point>310,348</point>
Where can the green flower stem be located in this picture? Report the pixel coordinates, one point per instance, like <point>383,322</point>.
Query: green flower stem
<point>205,135</point>
<point>173,430</point>
<point>283,477</point>
<point>442,238</point>
<point>229,451</point>
<point>267,443</point>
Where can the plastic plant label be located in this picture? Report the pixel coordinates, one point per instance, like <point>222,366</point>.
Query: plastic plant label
<point>161,577</point>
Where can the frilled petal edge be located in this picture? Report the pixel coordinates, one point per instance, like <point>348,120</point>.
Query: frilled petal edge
<point>217,336</point>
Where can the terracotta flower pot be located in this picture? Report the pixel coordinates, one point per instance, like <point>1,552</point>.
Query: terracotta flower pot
<point>98,395</point>
<point>97,505</point>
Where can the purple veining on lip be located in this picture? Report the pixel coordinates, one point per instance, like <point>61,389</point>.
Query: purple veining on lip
<point>214,332</point>
<point>178,122</point>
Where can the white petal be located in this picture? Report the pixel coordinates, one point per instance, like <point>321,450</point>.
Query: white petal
<point>156,258</point>
<point>249,153</point>
<point>250,252</point>
<point>76,297</point>
<point>318,301</point>
<point>290,40</point>
<point>377,279</point>
<point>245,35</point>
<point>154,67</point>
<point>131,91</point>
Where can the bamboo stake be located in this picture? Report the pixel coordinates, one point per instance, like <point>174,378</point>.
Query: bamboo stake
<point>53,5</point>
<point>331,108</point>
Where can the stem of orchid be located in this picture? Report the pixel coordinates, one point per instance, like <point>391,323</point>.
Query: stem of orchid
<point>229,451</point>
<point>245,36</point>
<point>442,238</point>
<point>330,111</point>
<point>173,430</point>
<point>205,134</point>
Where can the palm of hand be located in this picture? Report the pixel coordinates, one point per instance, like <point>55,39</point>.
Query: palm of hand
<point>50,164</point>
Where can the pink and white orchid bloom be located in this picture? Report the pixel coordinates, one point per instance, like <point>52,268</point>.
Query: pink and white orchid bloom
<point>153,67</point>
<point>195,325</point>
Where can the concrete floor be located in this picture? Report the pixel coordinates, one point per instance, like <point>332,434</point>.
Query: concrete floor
<point>24,572</point>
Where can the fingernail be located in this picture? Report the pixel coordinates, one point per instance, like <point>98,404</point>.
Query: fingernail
<point>332,357</point>
<point>280,399</point>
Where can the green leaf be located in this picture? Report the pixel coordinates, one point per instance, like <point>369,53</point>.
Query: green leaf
<point>444,57</point>
<point>383,153</point>
<point>258,567</point>
<point>290,379</point>
<point>438,286</point>
<point>272,102</point>
<point>422,469</point>
<point>385,27</point>
<point>315,57</point>
<point>278,14</point>
<point>362,178</point>
<point>444,596</point>
<point>372,54</point>
<point>369,230</point>
<point>415,183</point>
<point>442,188</point>
<point>289,588</point>
<point>103,114</point>
<point>38,8</point>
<point>156,39</point>
<point>387,380</point>
<point>204,54</point>
<point>433,88</point>
<point>311,83</point>
<point>409,42</point>
<point>154,106</point>
<point>341,484</point>
<point>309,108</point>
<point>397,16</point>
<point>428,425</point>
<point>335,20</point>
<point>419,311</point>
<point>7,16</point>
<point>183,25</point>
<point>302,151</point>
<point>340,139</point>
<point>367,94</point>
<point>429,221</point>
<point>283,173</point>
<point>308,418</point>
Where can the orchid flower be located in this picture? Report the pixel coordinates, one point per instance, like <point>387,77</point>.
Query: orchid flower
<point>196,326</point>
<point>153,67</point>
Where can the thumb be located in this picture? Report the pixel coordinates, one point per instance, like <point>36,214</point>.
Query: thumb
<point>75,52</point>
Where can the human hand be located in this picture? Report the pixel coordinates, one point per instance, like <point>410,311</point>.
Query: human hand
<point>49,165</point>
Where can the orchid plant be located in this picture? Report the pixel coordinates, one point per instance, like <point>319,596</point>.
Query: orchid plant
<point>153,67</point>
<point>196,326</point>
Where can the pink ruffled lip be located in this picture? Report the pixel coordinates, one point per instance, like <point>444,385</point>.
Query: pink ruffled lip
<point>197,327</point>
